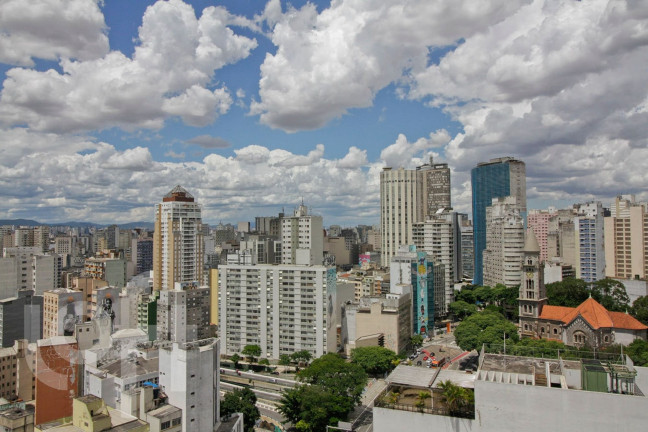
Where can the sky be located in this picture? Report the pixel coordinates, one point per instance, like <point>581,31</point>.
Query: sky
<point>253,106</point>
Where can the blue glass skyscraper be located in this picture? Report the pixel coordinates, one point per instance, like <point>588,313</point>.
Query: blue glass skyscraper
<point>497,178</point>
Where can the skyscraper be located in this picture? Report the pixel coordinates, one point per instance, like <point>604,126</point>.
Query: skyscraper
<point>626,239</point>
<point>400,207</point>
<point>177,242</point>
<point>435,184</point>
<point>302,238</point>
<point>589,243</point>
<point>497,178</point>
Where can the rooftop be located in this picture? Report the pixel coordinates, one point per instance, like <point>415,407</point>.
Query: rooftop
<point>131,367</point>
<point>412,376</point>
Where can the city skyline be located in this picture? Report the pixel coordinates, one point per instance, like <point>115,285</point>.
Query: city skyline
<point>106,107</point>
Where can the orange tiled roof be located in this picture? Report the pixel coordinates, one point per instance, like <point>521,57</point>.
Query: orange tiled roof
<point>626,321</point>
<point>594,313</point>
<point>555,313</point>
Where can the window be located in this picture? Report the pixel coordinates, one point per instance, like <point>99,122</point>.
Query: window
<point>165,425</point>
<point>555,331</point>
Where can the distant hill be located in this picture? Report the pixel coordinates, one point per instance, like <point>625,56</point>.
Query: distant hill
<point>31,223</point>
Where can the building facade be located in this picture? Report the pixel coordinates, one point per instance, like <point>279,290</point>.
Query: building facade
<point>183,313</point>
<point>177,242</point>
<point>281,308</point>
<point>436,187</point>
<point>302,238</point>
<point>626,239</point>
<point>497,178</point>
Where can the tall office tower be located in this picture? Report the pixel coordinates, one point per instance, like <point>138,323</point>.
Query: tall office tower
<point>302,238</point>
<point>143,253</point>
<point>183,313</point>
<point>561,238</point>
<point>112,237</point>
<point>401,206</point>
<point>497,178</point>
<point>533,294</point>
<point>589,244</point>
<point>435,187</point>
<point>539,221</point>
<point>626,239</point>
<point>502,257</point>
<point>440,237</point>
<point>177,242</point>
<point>190,376</point>
<point>282,308</point>
<point>24,237</point>
<point>41,237</point>
<point>411,271</point>
<point>21,317</point>
<point>467,247</point>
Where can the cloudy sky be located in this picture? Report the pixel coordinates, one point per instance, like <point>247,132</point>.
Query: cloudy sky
<point>107,105</point>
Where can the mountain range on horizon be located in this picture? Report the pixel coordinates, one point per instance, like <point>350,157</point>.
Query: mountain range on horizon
<point>74,224</point>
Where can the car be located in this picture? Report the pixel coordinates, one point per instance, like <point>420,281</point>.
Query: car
<point>419,363</point>
<point>425,357</point>
<point>274,373</point>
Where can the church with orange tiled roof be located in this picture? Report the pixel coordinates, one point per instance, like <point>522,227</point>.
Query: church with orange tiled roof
<point>588,324</point>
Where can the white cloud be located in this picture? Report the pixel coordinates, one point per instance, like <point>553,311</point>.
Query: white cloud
<point>339,59</point>
<point>209,142</point>
<point>170,74</point>
<point>404,154</point>
<point>51,29</point>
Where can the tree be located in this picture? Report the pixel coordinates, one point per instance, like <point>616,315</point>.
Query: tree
<point>375,360</point>
<point>301,356</point>
<point>466,294</point>
<point>485,327</point>
<point>455,397</point>
<point>483,294</point>
<point>331,389</point>
<point>284,359</point>
<point>640,309</point>
<point>638,352</point>
<point>416,340</point>
<point>420,399</point>
<point>611,294</point>
<point>568,292</point>
<point>461,309</point>
<point>243,401</point>
<point>235,359</point>
<point>251,352</point>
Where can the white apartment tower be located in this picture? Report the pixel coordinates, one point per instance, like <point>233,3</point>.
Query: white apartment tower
<point>281,308</point>
<point>626,239</point>
<point>302,238</point>
<point>502,257</point>
<point>401,205</point>
<point>183,313</point>
<point>177,242</point>
<point>189,376</point>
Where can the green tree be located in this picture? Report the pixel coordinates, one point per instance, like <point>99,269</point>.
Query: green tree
<point>243,401</point>
<point>640,309</point>
<point>251,352</point>
<point>264,362</point>
<point>461,309</point>
<point>375,360</point>
<point>301,356</point>
<point>235,359</point>
<point>416,340</point>
<point>611,294</point>
<point>420,399</point>
<point>455,397</point>
<point>331,388</point>
<point>284,359</point>
<point>568,292</point>
<point>507,299</point>
<point>486,327</point>
<point>466,294</point>
<point>484,294</point>
<point>638,352</point>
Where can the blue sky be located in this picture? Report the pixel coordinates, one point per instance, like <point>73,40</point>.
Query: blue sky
<point>252,105</point>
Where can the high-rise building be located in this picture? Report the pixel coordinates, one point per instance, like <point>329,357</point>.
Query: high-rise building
<point>21,317</point>
<point>497,178</point>
<point>302,238</point>
<point>435,187</point>
<point>440,237</point>
<point>281,308</point>
<point>502,257</point>
<point>538,220</point>
<point>189,376</point>
<point>62,309</point>
<point>589,244</point>
<point>411,271</point>
<point>626,239</point>
<point>183,313</point>
<point>401,206</point>
<point>467,248</point>
<point>177,242</point>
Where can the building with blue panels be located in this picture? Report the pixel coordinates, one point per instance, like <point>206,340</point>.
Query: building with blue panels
<point>497,178</point>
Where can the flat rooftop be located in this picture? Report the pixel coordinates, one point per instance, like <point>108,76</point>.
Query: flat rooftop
<point>412,376</point>
<point>125,368</point>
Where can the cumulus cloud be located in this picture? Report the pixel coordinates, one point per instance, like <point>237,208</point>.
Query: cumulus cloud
<point>339,59</point>
<point>169,74</point>
<point>51,29</point>
<point>404,154</point>
<point>209,142</point>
